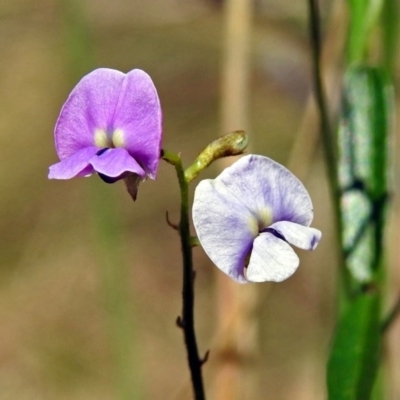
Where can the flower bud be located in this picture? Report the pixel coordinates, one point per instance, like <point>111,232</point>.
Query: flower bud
<point>231,144</point>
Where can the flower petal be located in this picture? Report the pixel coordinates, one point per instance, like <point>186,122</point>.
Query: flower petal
<point>75,165</point>
<point>138,115</point>
<point>224,226</point>
<point>90,106</point>
<point>115,162</point>
<point>272,259</point>
<point>260,183</point>
<point>298,235</point>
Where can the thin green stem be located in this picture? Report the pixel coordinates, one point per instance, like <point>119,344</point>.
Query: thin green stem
<point>327,136</point>
<point>393,314</point>
<point>326,131</point>
<point>186,320</point>
<point>390,34</point>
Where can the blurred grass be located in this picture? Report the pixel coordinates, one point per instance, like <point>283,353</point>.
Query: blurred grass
<point>54,341</point>
<point>108,247</point>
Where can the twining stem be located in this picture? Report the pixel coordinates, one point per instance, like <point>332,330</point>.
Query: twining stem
<point>186,320</point>
<point>326,131</point>
<point>393,314</point>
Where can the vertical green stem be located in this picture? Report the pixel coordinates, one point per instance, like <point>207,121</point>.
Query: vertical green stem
<point>390,34</point>
<point>327,137</point>
<point>186,320</point>
<point>326,131</point>
<point>393,314</point>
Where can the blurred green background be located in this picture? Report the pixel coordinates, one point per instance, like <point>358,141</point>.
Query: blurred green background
<point>54,335</point>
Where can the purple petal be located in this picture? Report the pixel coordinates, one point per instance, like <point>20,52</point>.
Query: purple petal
<point>272,259</point>
<point>224,226</point>
<point>298,235</point>
<point>115,163</point>
<point>261,183</point>
<point>138,116</point>
<point>75,165</point>
<point>90,106</point>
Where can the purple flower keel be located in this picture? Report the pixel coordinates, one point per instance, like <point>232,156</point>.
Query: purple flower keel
<point>77,164</point>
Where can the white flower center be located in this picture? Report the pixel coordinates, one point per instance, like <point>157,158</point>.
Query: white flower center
<point>103,139</point>
<point>264,218</point>
<point>261,221</point>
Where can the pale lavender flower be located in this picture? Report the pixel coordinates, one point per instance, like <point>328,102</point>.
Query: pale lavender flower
<point>249,215</point>
<point>111,124</point>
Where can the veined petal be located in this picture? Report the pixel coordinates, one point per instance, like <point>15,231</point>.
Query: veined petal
<point>90,106</point>
<point>298,235</point>
<point>75,165</point>
<point>138,116</point>
<point>272,259</point>
<point>224,226</point>
<point>260,183</point>
<point>115,162</point>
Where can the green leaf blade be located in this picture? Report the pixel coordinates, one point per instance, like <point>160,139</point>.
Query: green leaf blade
<point>355,357</point>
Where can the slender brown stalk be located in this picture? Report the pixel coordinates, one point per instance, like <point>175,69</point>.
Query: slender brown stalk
<point>186,320</point>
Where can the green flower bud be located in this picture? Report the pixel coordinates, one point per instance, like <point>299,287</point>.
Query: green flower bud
<point>231,144</point>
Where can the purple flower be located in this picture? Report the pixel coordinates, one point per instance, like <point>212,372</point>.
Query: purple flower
<point>111,124</point>
<point>249,215</point>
